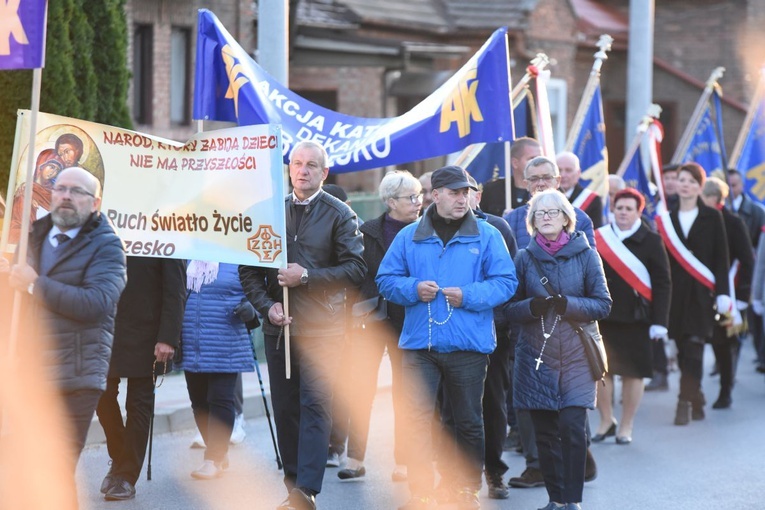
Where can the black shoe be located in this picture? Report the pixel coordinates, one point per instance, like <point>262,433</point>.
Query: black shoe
<point>590,467</point>
<point>531,477</point>
<point>120,490</point>
<point>349,474</point>
<point>623,439</point>
<point>300,500</point>
<point>683,413</point>
<point>722,402</point>
<point>658,383</point>
<point>597,438</point>
<point>467,499</point>
<point>497,488</point>
<point>419,503</point>
<point>512,441</point>
<point>108,481</point>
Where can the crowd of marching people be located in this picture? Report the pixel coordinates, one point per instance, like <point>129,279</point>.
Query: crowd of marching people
<point>492,324</point>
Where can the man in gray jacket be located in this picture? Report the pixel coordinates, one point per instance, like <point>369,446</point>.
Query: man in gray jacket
<point>324,250</point>
<point>74,274</point>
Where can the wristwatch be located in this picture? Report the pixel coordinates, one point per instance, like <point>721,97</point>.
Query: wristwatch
<point>304,277</point>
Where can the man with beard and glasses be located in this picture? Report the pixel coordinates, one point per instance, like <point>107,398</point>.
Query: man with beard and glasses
<point>74,274</point>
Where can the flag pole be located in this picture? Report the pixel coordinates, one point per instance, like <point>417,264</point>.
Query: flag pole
<point>703,103</point>
<point>653,113</point>
<point>747,125</point>
<point>604,45</point>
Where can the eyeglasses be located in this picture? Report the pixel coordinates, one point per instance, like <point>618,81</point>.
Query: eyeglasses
<point>552,213</point>
<point>536,178</point>
<point>415,199</point>
<point>76,192</point>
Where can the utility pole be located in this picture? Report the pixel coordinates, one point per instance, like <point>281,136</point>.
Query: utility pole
<point>639,65</point>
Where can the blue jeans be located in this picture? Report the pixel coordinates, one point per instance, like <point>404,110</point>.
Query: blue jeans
<point>462,375</point>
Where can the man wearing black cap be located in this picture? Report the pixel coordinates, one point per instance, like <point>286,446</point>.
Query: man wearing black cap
<point>449,271</point>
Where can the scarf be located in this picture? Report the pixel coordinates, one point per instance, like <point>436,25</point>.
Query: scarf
<point>200,273</point>
<point>552,247</point>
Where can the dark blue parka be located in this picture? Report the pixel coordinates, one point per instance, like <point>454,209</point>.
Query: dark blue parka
<point>76,300</point>
<point>564,378</point>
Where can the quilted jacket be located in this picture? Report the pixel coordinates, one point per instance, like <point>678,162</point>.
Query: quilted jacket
<point>214,340</point>
<point>563,378</point>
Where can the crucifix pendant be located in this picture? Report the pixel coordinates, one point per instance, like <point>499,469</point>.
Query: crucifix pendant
<point>539,361</point>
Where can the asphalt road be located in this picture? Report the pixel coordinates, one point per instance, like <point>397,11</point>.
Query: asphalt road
<point>714,464</point>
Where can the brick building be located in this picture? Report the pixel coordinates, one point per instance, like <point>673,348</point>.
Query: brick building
<point>378,59</point>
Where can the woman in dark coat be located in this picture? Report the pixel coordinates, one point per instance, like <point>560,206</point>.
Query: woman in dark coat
<point>637,272</point>
<point>552,377</point>
<point>694,235</point>
<point>402,195</point>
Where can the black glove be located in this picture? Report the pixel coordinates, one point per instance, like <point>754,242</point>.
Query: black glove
<point>560,303</point>
<point>539,306</point>
<point>244,310</point>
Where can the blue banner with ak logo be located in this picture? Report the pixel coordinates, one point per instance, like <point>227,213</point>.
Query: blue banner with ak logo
<point>473,106</point>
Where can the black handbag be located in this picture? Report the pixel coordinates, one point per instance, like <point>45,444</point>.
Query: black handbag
<point>588,333</point>
<point>370,310</point>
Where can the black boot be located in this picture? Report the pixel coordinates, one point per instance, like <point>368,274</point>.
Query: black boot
<point>724,400</point>
<point>683,413</point>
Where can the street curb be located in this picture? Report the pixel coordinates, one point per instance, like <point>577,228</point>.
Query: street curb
<point>181,418</point>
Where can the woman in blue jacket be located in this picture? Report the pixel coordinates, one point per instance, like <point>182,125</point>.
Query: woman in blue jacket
<point>215,348</point>
<point>552,378</point>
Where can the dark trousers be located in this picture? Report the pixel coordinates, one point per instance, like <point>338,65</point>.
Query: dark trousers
<point>495,404</point>
<point>303,405</point>
<point>562,446</point>
<point>368,353</point>
<point>126,441</point>
<point>690,358</point>
<point>341,403</point>
<point>462,375</point>
<point>239,395</point>
<point>757,329</point>
<point>79,406</point>
<point>213,403</point>
<point>659,357</point>
<point>725,354</point>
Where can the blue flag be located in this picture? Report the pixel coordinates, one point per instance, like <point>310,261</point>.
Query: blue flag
<point>590,147</point>
<point>489,162</point>
<point>22,34</point>
<point>705,147</point>
<point>751,162</point>
<point>635,177</point>
<point>473,106</point>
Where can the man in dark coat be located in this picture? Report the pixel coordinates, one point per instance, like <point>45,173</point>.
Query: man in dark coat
<point>584,199</point>
<point>147,332</point>
<point>724,342</point>
<point>74,273</point>
<point>324,250</point>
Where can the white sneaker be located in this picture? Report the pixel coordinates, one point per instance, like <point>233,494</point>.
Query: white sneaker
<point>238,434</point>
<point>208,470</point>
<point>198,442</point>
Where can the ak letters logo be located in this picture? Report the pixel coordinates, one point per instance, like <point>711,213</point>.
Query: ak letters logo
<point>235,73</point>
<point>462,105</point>
<point>265,244</point>
<point>10,26</point>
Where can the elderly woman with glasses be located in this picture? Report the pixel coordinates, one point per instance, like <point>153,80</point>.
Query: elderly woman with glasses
<point>401,193</point>
<point>552,378</point>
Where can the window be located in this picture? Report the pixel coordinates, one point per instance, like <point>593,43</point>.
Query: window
<point>143,48</point>
<point>179,75</point>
